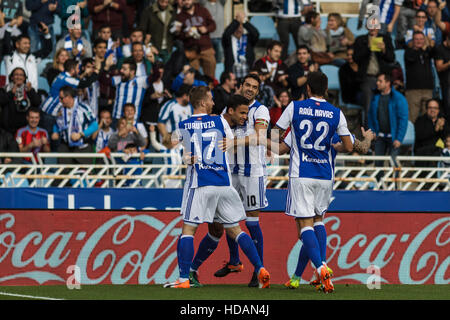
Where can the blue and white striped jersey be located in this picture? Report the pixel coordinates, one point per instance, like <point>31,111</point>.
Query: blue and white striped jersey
<point>313,123</point>
<point>200,135</point>
<point>387,8</point>
<point>172,113</point>
<point>131,91</point>
<point>250,161</point>
<point>51,103</point>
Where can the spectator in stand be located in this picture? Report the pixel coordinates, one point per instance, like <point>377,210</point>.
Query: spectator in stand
<point>282,101</point>
<point>433,15</point>
<point>238,41</point>
<point>137,36</point>
<point>419,75</point>
<point>196,26</point>
<point>272,69</point>
<point>12,13</point>
<point>174,111</point>
<point>187,77</point>
<point>289,15</point>
<point>7,144</point>
<point>223,92</point>
<point>107,12</point>
<point>15,99</point>
<point>22,57</point>
<point>429,128</point>
<point>104,132</point>
<point>350,80</point>
<point>90,94</point>
<point>155,96</point>
<point>298,72</point>
<point>421,19</point>
<point>406,20</point>
<point>339,37</point>
<point>388,118</point>
<point>129,111</point>
<point>125,134</point>
<point>442,62</point>
<point>74,126</point>
<point>32,138</point>
<point>56,66</point>
<point>217,10</point>
<point>446,154</point>
<point>389,13</point>
<point>112,45</point>
<point>144,61</point>
<point>311,35</point>
<point>374,54</point>
<point>156,22</point>
<point>76,44</point>
<point>69,16</point>
<point>41,11</point>
<point>441,23</point>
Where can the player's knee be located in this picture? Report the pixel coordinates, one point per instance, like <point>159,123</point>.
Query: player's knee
<point>215,229</point>
<point>253,214</point>
<point>233,232</point>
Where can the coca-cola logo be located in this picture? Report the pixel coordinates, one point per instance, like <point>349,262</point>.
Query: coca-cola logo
<point>138,248</point>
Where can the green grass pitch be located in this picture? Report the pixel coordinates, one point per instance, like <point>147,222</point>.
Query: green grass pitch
<point>226,292</point>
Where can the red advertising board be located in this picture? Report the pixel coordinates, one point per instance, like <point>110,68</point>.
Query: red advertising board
<point>139,247</point>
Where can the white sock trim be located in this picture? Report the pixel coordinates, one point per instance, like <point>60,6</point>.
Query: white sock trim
<point>306,229</point>
<point>186,236</point>
<point>252,219</point>
<point>237,238</point>
<point>319,223</point>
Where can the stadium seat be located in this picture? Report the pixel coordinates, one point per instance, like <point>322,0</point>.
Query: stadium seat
<point>3,68</point>
<point>410,137</point>
<point>437,84</point>
<point>291,47</point>
<point>43,84</point>
<point>332,73</point>
<point>220,67</point>
<point>43,64</point>
<point>265,26</point>
<point>57,25</point>
<point>352,24</point>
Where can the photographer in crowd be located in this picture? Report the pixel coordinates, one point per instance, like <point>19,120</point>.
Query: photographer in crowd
<point>15,99</point>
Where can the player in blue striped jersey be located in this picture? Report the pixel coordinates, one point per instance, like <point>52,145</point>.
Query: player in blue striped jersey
<point>249,173</point>
<point>210,195</point>
<point>313,123</point>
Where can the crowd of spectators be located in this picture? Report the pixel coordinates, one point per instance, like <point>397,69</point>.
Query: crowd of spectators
<point>119,71</point>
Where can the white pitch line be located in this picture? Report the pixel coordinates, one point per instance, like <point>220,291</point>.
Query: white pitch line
<point>26,296</point>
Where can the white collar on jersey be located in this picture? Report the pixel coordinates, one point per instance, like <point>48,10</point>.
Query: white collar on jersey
<point>318,99</point>
<point>199,114</point>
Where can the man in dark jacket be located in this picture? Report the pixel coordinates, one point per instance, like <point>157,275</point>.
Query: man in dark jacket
<point>7,144</point>
<point>107,12</point>
<point>373,53</point>
<point>239,46</point>
<point>156,21</point>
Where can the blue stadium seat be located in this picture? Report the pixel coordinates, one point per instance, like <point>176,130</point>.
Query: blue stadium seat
<point>332,73</point>
<point>3,68</point>
<point>437,84</point>
<point>57,25</point>
<point>43,64</point>
<point>265,26</point>
<point>291,47</point>
<point>410,137</point>
<point>43,84</point>
<point>323,22</point>
<point>352,24</point>
<point>400,58</point>
<point>220,67</point>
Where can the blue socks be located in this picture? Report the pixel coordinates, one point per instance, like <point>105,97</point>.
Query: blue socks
<point>311,245</point>
<point>302,262</point>
<point>207,246</point>
<point>185,252</point>
<point>234,251</point>
<point>252,224</point>
<point>248,247</point>
<point>321,235</point>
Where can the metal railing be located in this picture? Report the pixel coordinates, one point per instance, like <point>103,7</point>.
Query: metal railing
<point>351,172</point>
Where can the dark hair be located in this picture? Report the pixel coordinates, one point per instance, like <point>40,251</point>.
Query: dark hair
<point>184,89</point>
<point>33,109</point>
<point>22,36</point>
<point>273,44</point>
<point>387,76</point>
<point>310,16</point>
<point>252,76</point>
<point>129,105</point>
<point>104,26</point>
<point>317,82</point>
<point>226,75</point>
<point>137,43</point>
<point>421,10</point>
<point>131,145</point>
<point>417,32</point>
<point>137,30</point>
<point>197,95</point>
<point>303,46</point>
<point>131,63</point>
<point>433,99</point>
<point>68,91</point>
<point>85,61</point>
<point>99,41</point>
<point>236,101</point>
<point>70,64</point>
<point>283,91</point>
<point>11,74</point>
